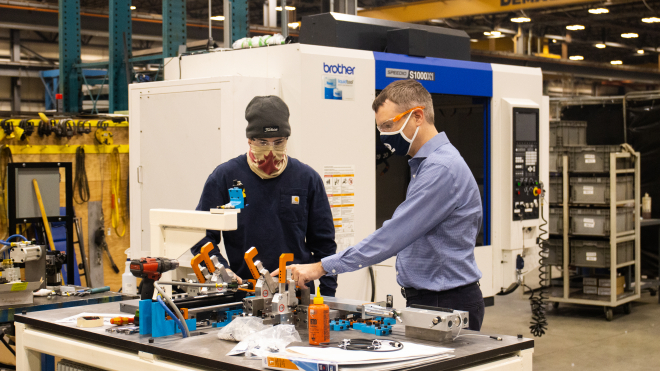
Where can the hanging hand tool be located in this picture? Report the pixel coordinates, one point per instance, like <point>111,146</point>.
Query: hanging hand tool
<point>103,136</point>
<point>99,240</point>
<point>83,256</point>
<point>44,217</point>
<point>150,270</point>
<point>115,179</point>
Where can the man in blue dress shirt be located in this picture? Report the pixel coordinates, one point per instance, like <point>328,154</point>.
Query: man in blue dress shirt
<point>287,208</point>
<point>433,232</point>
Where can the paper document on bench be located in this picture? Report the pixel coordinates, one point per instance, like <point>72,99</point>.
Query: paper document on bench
<point>355,357</point>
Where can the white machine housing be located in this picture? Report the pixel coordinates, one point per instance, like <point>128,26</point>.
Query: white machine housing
<point>185,126</point>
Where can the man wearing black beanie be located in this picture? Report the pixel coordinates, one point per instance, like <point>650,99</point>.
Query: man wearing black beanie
<point>287,209</point>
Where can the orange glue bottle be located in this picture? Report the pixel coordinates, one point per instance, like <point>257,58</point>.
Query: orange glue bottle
<point>318,320</point>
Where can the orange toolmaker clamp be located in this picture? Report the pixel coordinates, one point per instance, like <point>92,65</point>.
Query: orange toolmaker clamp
<point>249,256</point>
<point>284,258</point>
<point>203,256</point>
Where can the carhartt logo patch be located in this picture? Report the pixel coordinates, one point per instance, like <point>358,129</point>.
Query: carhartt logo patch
<point>271,129</point>
<point>295,200</point>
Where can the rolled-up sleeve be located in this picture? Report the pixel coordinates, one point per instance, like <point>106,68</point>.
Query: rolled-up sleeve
<point>431,198</point>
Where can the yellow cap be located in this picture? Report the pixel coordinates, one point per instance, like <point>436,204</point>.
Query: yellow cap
<point>318,299</point>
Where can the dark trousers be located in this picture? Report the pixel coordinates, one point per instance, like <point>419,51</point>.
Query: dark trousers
<point>467,298</point>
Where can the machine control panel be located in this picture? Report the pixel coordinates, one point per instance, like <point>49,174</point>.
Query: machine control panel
<point>526,188</point>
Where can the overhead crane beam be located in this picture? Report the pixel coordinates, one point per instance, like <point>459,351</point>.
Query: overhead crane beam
<point>426,10</point>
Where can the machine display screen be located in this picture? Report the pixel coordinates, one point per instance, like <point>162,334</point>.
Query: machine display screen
<point>525,127</point>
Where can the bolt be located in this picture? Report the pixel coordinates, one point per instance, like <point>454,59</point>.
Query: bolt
<point>151,340</point>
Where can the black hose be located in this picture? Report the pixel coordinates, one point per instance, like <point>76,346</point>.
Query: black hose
<point>373,284</point>
<point>539,322</point>
<point>80,183</point>
<point>513,287</point>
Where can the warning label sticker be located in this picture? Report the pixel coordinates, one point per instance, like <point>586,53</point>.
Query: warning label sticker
<point>339,182</point>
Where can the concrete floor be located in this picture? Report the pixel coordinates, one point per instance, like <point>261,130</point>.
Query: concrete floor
<point>579,337</point>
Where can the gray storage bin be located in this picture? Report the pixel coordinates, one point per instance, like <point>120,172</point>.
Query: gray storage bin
<point>555,252</point>
<point>556,191</point>
<point>556,222</point>
<point>568,133</point>
<point>596,190</point>
<point>594,159</point>
<point>555,159</point>
<point>596,222</point>
<point>596,254</point>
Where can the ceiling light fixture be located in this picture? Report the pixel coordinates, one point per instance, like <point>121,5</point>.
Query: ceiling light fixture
<point>133,7</point>
<point>279,8</point>
<point>640,51</point>
<point>616,62</point>
<point>629,35</point>
<point>576,58</point>
<point>599,11</point>
<point>554,41</point>
<point>575,27</point>
<point>493,33</point>
<point>651,20</point>
<point>474,40</point>
<point>600,46</point>
<point>218,18</point>
<point>294,25</point>
<point>520,20</point>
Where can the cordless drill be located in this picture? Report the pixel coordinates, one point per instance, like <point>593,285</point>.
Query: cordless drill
<point>150,270</point>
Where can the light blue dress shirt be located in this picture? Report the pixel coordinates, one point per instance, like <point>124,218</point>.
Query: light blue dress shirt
<point>433,232</point>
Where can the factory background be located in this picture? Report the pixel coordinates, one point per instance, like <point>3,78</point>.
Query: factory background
<point>66,68</point>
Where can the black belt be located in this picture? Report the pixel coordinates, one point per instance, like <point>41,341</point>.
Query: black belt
<point>412,292</point>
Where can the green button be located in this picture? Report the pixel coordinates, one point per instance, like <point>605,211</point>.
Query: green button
<point>518,184</point>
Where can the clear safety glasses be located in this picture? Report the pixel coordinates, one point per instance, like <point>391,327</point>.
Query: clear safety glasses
<point>266,143</point>
<point>390,124</point>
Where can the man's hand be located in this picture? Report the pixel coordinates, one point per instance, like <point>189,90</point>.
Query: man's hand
<point>303,273</point>
<point>231,273</point>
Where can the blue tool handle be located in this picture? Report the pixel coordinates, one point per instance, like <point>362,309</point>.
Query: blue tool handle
<point>99,289</point>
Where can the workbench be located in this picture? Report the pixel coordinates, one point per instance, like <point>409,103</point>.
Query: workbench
<point>38,333</point>
<point>41,303</point>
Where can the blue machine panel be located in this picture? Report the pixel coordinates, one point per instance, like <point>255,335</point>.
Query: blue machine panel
<point>440,76</point>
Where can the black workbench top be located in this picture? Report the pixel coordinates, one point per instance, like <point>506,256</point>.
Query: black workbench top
<point>207,351</point>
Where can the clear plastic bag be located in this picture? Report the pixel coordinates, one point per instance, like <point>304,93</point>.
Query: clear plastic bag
<point>270,340</point>
<point>242,327</point>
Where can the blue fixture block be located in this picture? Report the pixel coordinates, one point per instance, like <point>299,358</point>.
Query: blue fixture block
<point>145,316</point>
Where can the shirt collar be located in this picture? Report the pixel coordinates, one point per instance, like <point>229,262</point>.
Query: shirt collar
<point>433,144</point>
